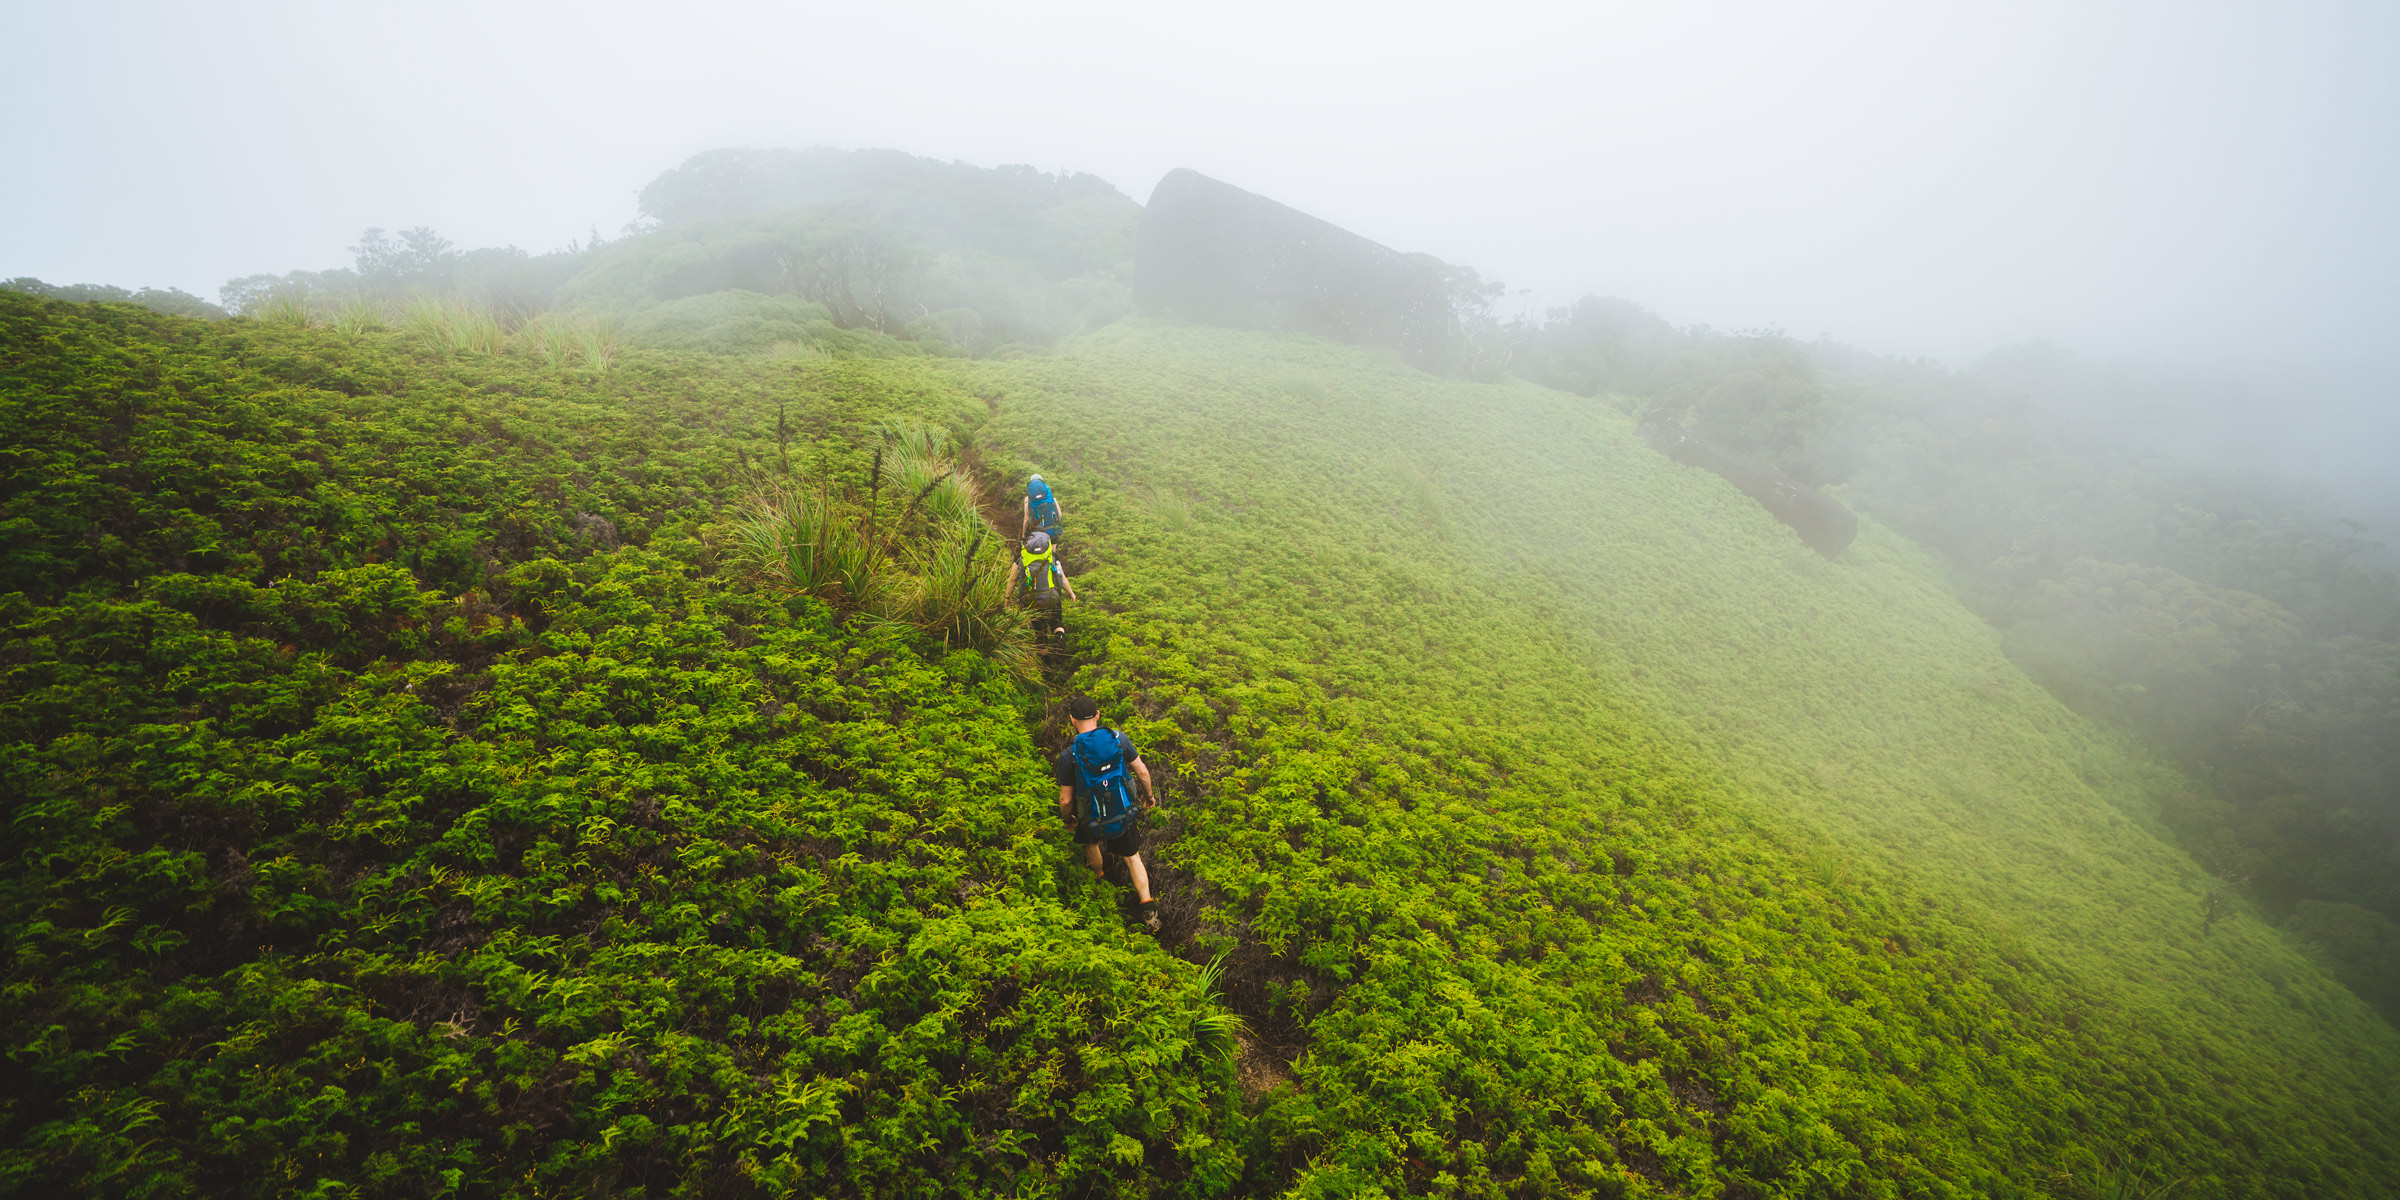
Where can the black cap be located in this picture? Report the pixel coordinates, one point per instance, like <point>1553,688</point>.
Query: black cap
<point>1083,708</point>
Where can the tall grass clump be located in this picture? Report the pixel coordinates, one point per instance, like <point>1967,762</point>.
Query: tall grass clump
<point>1174,510</point>
<point>356,316</point>
<point>286,308</point>
<point>423,318</point>
<point>552,337</point>
<point>596,337</point>
<point>926,474</point>
<point>1217,1028</point>
<point>1424,491</point>
<point>798,541</point>
<point>958,595</point>
<point>563,339</point>
<point>1305,386</point>
<point>914,550</point>
<point>477,329</point>
<point>454,325</point>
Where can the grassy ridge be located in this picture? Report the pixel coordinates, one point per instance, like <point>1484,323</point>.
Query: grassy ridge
<point>1436,649</point>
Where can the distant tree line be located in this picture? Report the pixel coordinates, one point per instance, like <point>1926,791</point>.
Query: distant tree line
<point>416,262</point>
<point>944,256</point>
<point>167,300</point>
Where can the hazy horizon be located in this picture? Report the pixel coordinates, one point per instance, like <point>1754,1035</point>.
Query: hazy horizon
<point>2203,187</point>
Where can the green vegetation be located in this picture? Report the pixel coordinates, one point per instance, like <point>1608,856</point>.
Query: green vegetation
<point>435,772</point>
<point>2228,620</point>
<point>1423,700</point>
<point>931,561</point>
<point>409,804</point>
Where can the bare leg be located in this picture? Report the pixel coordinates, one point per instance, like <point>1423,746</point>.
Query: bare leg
<point>1133,866</point>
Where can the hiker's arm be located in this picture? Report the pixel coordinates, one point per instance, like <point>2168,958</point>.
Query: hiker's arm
<point>1141,771</point>
<point>1067,584</point>
<point>1066,802</point>
<point>1010,593</point>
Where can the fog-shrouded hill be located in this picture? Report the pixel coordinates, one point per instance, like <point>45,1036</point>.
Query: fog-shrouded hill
<point>436,769</point>
<point>425,783</point>
<point>1531,585</point>
<point>945,256</point>
<point>1057,221</point>
<point>2245,625</point>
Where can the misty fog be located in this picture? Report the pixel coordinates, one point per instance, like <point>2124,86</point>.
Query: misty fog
<point>2199,189</point>
<point>1717,599</point>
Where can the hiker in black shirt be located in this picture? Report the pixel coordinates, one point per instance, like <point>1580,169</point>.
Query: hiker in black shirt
<point>1085,713</point>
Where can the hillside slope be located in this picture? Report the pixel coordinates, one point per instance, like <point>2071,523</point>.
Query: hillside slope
<point>1367,594</point>
<point>411,797</point>
<point>404,802</point>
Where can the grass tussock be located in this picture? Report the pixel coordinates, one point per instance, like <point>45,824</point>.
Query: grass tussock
<point>456,325</point>
<point>1173,509</point>
<point>566,339</point>
<point>453,325</point>
<point>805,543</point>
<point>596,339</point>
<point>357,316</point>
<point>287,309</point>
<point>914,550</point>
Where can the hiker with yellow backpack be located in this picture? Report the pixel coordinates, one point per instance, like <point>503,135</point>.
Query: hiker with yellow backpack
<point>1042,579</point>
<point>1038,569</point>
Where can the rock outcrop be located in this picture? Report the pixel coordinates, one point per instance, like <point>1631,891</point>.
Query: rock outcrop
<point>1210,252</point>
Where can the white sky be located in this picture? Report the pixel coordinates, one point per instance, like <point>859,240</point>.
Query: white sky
<point>2199,182</point>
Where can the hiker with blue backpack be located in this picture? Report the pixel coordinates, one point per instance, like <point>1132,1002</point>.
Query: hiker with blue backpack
<point>1095,776</point>
<point>1039,513</point>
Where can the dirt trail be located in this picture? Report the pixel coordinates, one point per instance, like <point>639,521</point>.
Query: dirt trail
<point>1275,1039</point>
<point>997,498</point>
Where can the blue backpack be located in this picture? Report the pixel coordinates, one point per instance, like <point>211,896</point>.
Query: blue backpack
<point>1100,767</point>
<point>1045,506</point>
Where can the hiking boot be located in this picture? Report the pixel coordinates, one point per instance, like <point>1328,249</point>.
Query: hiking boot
<point>1149,911</point>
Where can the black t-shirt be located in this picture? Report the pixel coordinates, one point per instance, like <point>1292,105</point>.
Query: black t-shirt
<point>1064,771</point>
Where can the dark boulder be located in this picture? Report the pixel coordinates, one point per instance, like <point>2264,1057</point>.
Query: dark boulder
<point>1820,520</point>
<point>1210,252</point>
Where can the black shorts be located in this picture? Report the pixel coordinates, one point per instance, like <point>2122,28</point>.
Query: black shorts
<point>1124,845</point>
